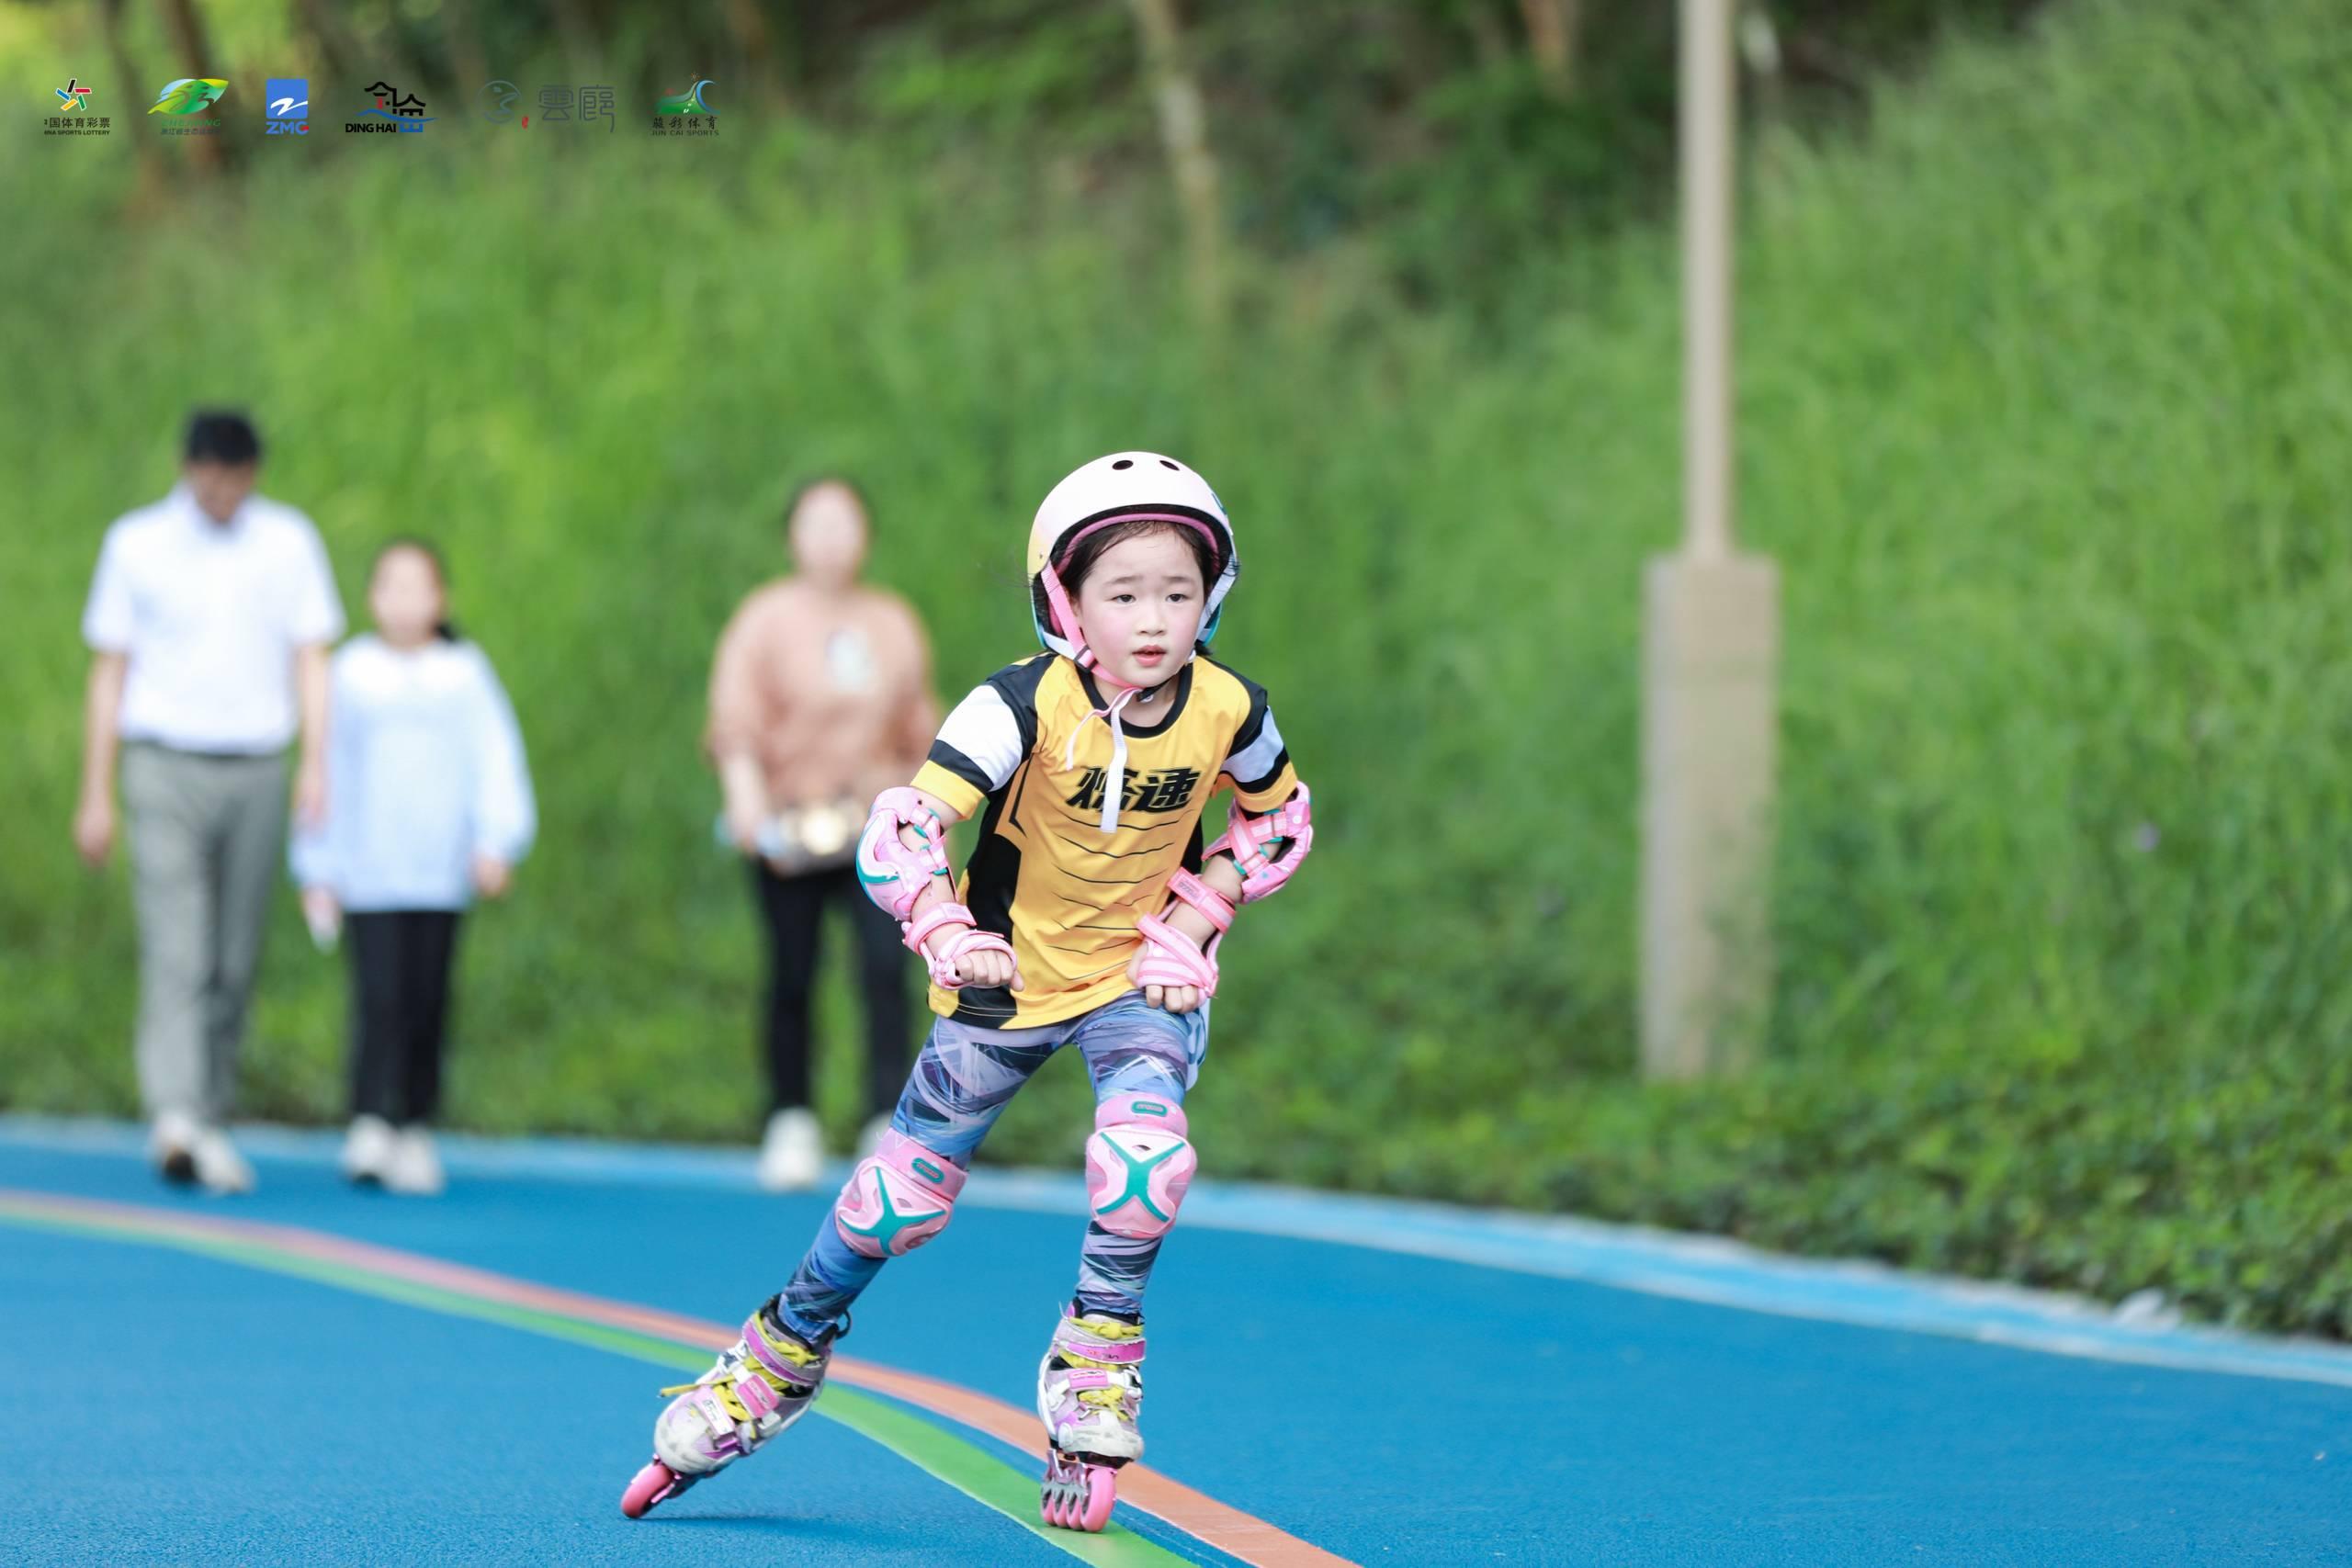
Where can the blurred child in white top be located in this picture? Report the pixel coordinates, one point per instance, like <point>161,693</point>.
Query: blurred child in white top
<point>429,804</point>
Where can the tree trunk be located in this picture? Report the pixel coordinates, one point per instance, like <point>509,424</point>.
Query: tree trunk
<point>329,45</point>
<point>1183,132</point>
<point>578,36</point>
<point>1551,28</point>
<point>127,107</point>
<point>183,25</point>
<point>466,56</point>
<point>755,41</point>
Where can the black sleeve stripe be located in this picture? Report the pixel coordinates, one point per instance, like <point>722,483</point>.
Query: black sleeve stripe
<point>1017,683</point>
<point>946,756</point>
<point>1255,718</point>
<point>1247,736</point>
<point>1251,786</point>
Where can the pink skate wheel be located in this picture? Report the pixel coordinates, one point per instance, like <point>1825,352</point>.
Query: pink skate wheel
<point>1053,1505</point>
<point>1078,1495</point>
<point>1102,1485</point>
<point>653,1483</point>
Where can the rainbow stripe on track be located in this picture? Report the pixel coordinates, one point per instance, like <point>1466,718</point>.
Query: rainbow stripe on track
<point>672,1340</point>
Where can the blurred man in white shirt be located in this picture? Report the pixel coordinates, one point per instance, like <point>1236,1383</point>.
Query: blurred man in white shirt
<point>209,621</point>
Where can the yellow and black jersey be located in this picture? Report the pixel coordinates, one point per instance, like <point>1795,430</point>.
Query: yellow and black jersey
<point>1045,875</point>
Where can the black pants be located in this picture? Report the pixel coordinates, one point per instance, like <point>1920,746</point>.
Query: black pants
<point>793,908</point>
<point>400,1010</point>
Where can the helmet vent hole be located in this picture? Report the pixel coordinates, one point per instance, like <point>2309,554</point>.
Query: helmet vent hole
<point>1166,464</point>
<point>1124,463</point>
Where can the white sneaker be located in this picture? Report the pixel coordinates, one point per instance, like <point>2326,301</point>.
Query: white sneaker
<point>219,1164</point>
<point>792,1158</point>
<point>368,1149</point>
<point>171,1145</point>
<point>416,1165</point>
<point>870,1139</point>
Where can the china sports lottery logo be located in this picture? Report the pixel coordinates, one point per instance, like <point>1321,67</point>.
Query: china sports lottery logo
<point>74,117</point>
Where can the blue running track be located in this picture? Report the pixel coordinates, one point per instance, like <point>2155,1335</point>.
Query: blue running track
<point>1378,1382</point>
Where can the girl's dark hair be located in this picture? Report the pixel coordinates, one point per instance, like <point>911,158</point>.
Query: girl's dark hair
<point>447,629</point>
<point>1075,567</point>
<point>800,493</point>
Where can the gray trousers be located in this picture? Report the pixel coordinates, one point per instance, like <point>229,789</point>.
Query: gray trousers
<point>207,835</point>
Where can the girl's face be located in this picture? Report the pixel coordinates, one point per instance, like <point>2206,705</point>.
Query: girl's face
<point>1140,607</point>
<point>404,595</point>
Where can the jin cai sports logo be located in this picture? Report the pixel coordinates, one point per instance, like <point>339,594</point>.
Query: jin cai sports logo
<point>186,106</point>
<point>74,117</point>
<point>391,112</point>
<point>689,113</point>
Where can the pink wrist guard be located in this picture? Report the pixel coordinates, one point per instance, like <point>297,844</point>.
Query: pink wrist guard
<point>1245,839</point>
<point>942,957</point>
<point>1169,956</point>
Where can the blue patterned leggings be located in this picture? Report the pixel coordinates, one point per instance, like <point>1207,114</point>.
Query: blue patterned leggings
<point>962,1081</point>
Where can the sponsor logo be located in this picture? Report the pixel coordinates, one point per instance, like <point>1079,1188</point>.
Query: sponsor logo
<point>498,100</point>
<point>190,94</point>
<point>74,117</point>
<point>186,99</point>
<point>562,103</point>
<point>286,106</point>
<point>390,111</point>
<point>689,113</point>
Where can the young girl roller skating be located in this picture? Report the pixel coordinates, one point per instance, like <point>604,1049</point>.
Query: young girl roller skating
<point>1088,915</point>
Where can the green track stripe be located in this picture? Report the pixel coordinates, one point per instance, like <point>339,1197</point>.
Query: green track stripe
<point>933,1449</point>
<point>982,1477</point>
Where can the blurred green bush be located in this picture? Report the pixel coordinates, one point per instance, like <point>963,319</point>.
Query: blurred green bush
<point>2044,390</point>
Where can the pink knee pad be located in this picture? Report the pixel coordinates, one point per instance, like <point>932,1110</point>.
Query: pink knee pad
<point>898,1197</point>
<point>1138,1164</point>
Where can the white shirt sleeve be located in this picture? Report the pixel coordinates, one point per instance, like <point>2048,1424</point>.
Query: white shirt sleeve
<point>505,814</point>
<point>111,617</point>
<point>318,611</point>
<point>982,739</point>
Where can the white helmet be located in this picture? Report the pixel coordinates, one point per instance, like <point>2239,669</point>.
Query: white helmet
<point>1121,487</point>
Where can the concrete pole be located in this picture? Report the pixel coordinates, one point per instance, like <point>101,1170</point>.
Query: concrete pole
<point>1704,109</point>
<point>1710,654</point>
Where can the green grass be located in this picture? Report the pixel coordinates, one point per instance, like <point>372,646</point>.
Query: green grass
<point>2044,387</point>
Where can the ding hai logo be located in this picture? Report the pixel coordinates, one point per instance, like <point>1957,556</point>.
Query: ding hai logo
<point>391,111</point>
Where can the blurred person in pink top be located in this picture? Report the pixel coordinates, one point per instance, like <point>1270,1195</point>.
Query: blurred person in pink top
<point>820,699</point>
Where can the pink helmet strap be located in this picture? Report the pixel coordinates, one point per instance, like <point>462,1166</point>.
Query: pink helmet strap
<point>1066,623</point>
